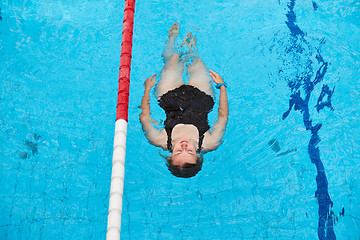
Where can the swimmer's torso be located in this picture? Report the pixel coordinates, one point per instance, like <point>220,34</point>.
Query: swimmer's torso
<point>188,131</point>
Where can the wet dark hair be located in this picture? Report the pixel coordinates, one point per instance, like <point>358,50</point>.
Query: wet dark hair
<point>188,170</point>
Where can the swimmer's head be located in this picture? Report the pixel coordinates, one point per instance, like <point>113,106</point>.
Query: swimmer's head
<point>187,170</point>
<point>183,152</point>
<point>184,161</point>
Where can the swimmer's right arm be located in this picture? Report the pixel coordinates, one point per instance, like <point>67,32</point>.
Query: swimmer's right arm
<point>223,111</point>
<point>214,139</point>
<point>156,137</point>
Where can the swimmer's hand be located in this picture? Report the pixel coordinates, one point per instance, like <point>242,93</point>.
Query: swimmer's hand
<point>215,77</point>
<point>150,82</point>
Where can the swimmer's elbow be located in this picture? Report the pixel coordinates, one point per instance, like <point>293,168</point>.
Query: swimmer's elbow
<point>157,138</point>
<point>145,120</point>
<point>212,141</point>
<point>157,142</point>
<point>211,146</point>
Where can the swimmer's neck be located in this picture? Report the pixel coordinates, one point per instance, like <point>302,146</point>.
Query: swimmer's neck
<point>185,131</point>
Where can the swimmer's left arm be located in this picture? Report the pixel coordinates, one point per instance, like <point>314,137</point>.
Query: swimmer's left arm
<point>145,104</point>
<point>156,137</point>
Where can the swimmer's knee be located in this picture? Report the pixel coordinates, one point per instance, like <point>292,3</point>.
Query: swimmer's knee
<point>174,64</point>
<point>196,66</point>
<point>175,58</point>
<point>199,62</point>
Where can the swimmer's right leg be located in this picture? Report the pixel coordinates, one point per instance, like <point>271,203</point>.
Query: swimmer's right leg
<point>199,77</point>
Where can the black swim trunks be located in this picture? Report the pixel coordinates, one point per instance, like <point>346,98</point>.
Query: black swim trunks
<point>187,105</point>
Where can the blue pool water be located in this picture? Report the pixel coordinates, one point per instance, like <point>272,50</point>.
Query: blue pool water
<point>289,164</point>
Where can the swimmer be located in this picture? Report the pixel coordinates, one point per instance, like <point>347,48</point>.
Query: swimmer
<point>187,133</point>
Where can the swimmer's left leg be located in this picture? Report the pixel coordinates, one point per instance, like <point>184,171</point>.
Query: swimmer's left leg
<point>169,50</point>
<point>171,76</point>
<point>199,77</point>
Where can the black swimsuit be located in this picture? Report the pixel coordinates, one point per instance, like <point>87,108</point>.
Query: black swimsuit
<point>187,105</point>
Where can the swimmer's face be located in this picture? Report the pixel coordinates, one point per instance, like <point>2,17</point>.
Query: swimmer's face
<point>184,153</point>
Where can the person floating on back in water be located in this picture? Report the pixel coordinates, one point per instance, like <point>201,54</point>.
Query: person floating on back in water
<point>187,132</point>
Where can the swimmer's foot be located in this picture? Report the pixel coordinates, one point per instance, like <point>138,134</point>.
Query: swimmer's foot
<point>186,39</point>
<point>190,42</point>
<point>193,43</point>
<point>188,56</point>
<point>174,30</point>
<point>170,43</point>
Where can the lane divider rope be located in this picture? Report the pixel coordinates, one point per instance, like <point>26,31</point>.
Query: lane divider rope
<point>118,161</point>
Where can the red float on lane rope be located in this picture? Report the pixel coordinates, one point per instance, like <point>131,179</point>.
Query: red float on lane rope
<point>125,61</point>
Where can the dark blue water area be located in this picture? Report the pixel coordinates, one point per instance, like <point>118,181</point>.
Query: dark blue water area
<point>288,166</point>
<point>302,85</point>
<point>308,83</point>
